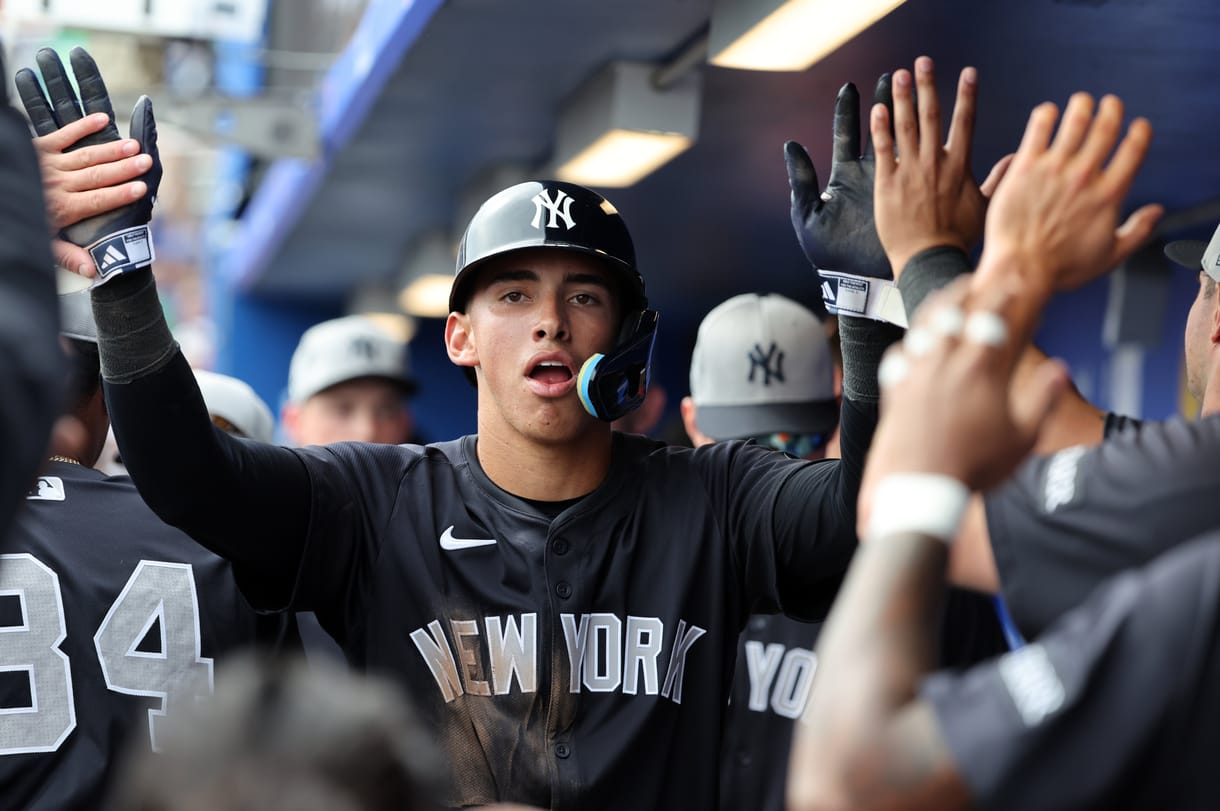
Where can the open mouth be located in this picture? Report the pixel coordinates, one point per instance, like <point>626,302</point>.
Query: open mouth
<point>551,372</point>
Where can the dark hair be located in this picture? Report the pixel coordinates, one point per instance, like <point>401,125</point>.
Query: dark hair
<point>1209,286</point>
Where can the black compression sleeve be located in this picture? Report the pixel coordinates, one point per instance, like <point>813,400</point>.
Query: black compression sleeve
<point>863,341</point>
<point>928,271</point>
<point>246,501</point>
<point>832,523</point>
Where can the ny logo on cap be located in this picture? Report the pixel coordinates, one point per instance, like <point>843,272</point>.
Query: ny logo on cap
<point>763,360</point>
<point>541,201</point>
<point>363,348</point>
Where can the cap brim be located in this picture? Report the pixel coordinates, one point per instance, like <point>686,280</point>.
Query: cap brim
<point>740,421</point>
<point>1187,252</point>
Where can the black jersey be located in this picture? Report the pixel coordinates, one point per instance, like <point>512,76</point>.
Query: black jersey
<point>1066,522</point>
<point>776,663</point>
<point>581,661</point>
<point>109,620</point>
<point>1114,707</point>
<point>775,669</point>
<point>31,362</point>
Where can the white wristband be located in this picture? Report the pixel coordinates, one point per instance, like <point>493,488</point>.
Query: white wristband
<point>923,503</point>
<point>863,296</point>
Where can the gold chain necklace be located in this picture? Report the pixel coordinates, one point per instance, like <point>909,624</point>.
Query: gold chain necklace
<point>67,459</point>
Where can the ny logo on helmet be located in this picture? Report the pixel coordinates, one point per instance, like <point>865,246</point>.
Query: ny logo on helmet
<point>764,360</point>
<point>560,208</point>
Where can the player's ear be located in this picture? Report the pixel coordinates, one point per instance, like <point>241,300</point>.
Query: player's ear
<point>459,340</point>
<point>290,416</point>
<point>1215,313</point>
<point>688,409</point>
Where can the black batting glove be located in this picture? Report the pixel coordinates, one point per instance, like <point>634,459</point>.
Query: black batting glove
<point>118,240</point>
<point>835,227</point>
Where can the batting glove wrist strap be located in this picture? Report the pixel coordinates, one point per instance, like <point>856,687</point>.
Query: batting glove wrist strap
<point>862,296</point>
<point>122,252</point>
<point>928,504</point>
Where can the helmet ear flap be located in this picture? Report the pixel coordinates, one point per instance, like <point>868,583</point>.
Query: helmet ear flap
<point>613,385</point>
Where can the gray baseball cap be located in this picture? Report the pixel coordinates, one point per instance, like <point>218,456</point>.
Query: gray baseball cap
<point>1197,254</point>
<point>237,403</point>
<point>762,365</point>
<point>343,349</point>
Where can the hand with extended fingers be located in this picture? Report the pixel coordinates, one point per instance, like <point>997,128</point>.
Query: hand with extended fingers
<point>89,172</point>
<point>835,225</point>
<point>1054,220</point>
<point>82,183</point>
<point>952,375</point>
<point>925,194</point>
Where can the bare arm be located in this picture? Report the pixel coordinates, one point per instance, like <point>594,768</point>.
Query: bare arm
<point>930,202</point>
<point>866,740</point>
<point>954,423</point>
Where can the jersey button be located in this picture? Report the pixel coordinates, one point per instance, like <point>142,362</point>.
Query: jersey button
<point>564,590</point>
<point>562,750</point>
<point>561,546</point>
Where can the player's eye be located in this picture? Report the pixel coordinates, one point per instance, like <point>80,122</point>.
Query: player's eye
<point>585,299</point>
<point>513,296</point>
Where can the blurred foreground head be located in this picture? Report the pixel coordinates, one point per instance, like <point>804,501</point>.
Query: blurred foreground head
<point>279,734</point>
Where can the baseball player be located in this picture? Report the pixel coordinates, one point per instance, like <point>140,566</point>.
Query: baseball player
<point>763,368</point>
<point>113,620</point>
<point>348,382</point>
<point>31,365</point>
<point>1086,716</point>
<point>562,601</point>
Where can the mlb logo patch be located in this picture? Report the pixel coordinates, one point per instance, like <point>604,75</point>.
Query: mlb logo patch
<point>47,488</point>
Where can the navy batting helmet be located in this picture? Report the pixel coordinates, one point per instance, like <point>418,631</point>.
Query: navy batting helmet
<point>565,216</point>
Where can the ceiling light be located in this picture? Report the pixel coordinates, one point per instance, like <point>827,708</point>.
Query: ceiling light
<point>787,34</point>
<point>427,276</point>
<point>619,127</point>
<point>427,296</point>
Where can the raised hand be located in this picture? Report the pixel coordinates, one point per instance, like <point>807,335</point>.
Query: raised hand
<point>1054,219</point>
<point>835,227</point>
<point>948,403</point>
<point>80,183</point>
<point>79,146</point>
<point>925,194</point>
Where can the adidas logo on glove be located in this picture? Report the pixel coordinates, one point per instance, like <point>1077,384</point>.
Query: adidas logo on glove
<point>126,250</point>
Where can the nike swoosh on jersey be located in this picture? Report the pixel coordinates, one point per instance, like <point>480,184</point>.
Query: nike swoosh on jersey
<point>451,544</point>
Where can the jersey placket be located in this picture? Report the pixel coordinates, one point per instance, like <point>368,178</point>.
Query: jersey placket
<point>561,567</point>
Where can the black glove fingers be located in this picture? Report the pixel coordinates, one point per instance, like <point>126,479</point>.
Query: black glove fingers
<point>93,94</point>
<point>847,125</point>
<point>144,130</point>
<point>59,89</point>
<point>35,102</point>
<point>884,94</point>
<point>802,176</point>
